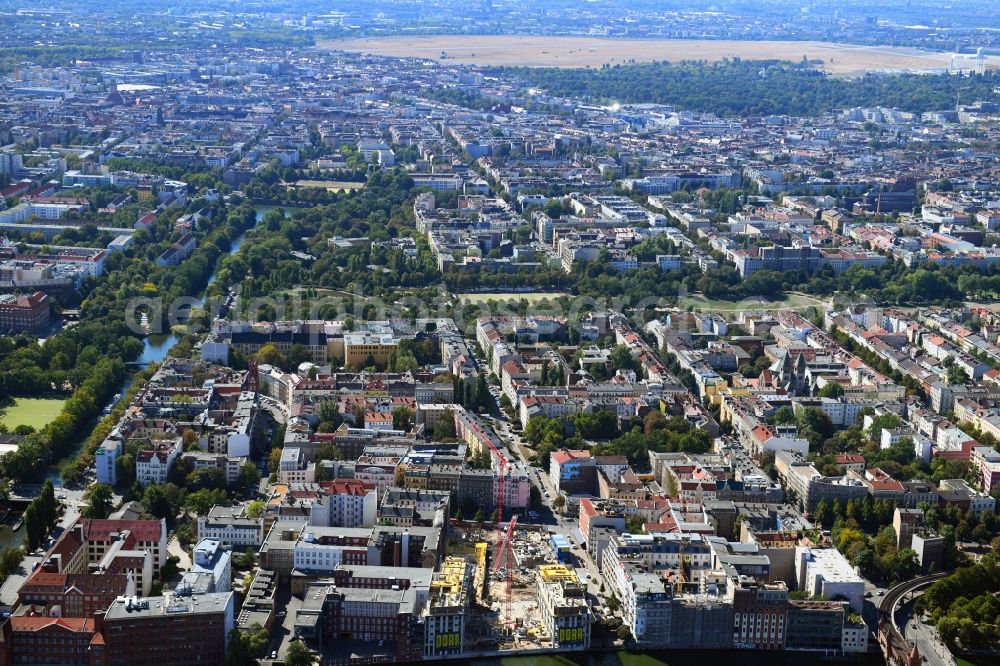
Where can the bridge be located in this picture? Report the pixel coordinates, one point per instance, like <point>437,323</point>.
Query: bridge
<point>890,636</point>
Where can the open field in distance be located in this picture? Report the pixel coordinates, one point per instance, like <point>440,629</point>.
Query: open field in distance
<point>545,51</point>
<point>530,297</point>
<point>329,185</point>
<point>793,301</point>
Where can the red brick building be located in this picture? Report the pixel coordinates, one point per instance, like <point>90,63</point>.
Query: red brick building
<point>24,313</point>
<point>77,595</point>
<point>169,631</point>
<point>69,641</point>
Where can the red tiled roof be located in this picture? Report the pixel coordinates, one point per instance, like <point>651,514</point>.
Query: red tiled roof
<point>29,623</point>
<point>101,530</point>
<point>565,455</point>
<point>347,487</point>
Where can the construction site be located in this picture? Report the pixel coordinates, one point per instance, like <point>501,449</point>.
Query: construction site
<point>524,598</point>
<point>522,592</point>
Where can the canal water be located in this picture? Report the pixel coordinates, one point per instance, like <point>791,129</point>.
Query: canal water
<point>10,538</point>
<point>155,348</point>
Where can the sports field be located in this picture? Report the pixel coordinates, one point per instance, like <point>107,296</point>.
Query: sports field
<point>36,412</point>
<point>546,51</point>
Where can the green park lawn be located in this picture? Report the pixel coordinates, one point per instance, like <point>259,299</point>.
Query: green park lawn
<point>790,301</point>
<point>530,297</point>
<point>36,412</point>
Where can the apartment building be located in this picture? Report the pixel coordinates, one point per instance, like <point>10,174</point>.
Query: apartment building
<point>824,572</point>
<point>562,601</point>
<point>985,461</point>
<point>444,615</point>
<point>153,464</point>
<point>231,527</point>
<point>346,503</point>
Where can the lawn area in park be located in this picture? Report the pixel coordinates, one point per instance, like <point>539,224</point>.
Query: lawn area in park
<point>792,301</point>
<point>329,185</point>
<point>36,412</point>
<point>531,297</point>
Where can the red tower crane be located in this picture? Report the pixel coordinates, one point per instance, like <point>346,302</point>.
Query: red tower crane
<point>252,378</point>
<point>505,559</point>
<point>504,543</point>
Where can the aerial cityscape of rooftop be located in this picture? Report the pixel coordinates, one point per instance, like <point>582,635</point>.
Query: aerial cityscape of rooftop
<point>602,333</point>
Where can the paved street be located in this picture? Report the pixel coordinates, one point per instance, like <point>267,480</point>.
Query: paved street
<point>934,652</point>
<point>587,570</point>
<point>174,548</point>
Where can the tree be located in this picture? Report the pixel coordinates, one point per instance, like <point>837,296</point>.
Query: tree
<point>170,569</point>
<point>163,500</point>
<point>100,501</point>
<point>784,415</point>
<point>10,560</point>
<point>47,506</point>
<point>211,478</point>
<point>238,650</point>
<point>249,476</point>
<point>814,425</point>
<point>255,508</point>
<point>256,638</point>
<point>190,439</point>
<point>879,423</point>
<point>482,393</point>
<point>329,452</point>
<point>598,425</point>
<point>823,514</point>
<point>554,208</point>
<point>635,525</point>
<point>402,418</point>
<point>270,354</point>
<point>298,654</point>
<point>298,355</point>
<point>864,560</point>
<point>445,429</point>
<point>244,561</point>
<point>274,460</point>
<point>201,501</point>
<point>400,361</point>
<point>831,390</point>
<point>559,502</point>
<point>34,532</point>
<point>621,358</point>
<point>905,565</point>
<point>956,375</point>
